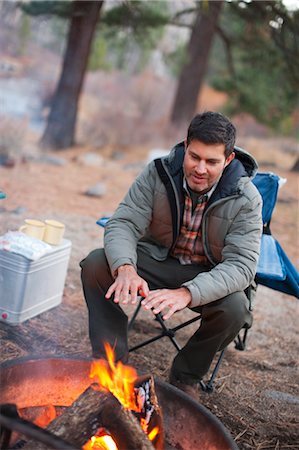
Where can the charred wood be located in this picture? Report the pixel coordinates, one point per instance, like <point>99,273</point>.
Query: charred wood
<point>150,411</point>
<point>96,409</point>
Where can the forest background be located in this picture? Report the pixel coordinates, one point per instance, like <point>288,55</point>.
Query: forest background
<point>248,51</point>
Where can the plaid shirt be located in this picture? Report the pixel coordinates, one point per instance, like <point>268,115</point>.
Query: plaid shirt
<point>188,248</point>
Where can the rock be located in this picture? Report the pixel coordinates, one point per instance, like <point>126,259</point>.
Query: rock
<point>7,161</point>
<point>282,397</point>
<point>19,210</point>
<point>50,159</point>
<point>117,155</point>
<point>98,190</point>
<point>91,159</point>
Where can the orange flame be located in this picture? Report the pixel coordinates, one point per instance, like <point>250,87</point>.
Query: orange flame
<point>103,442</point>
<point>46,416</point>
<point>118,379</point>
<point>152,434</point>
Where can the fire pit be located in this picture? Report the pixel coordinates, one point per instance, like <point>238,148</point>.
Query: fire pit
<point>34,383</point>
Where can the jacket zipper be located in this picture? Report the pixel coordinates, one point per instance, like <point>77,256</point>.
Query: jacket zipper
<point>177,203</point>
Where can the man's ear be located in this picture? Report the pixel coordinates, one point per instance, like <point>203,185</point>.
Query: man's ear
<point>229,159</point>
<point>185,144</point>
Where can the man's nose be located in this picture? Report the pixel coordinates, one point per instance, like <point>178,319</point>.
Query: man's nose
<point>201,167</point>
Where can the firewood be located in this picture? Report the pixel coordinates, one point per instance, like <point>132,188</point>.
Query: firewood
<point>150,411</point>
<point>96,409</point>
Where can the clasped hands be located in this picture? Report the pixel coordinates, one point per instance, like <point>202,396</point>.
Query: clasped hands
<point>128,285</point>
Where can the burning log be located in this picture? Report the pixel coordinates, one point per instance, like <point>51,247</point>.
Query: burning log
<point>118,406</point>
<point>150,414</point>
<point>96,409</point>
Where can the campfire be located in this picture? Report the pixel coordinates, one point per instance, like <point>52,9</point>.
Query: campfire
<point>101,405</point>
<point>135,395</point>
<point>118,411</point>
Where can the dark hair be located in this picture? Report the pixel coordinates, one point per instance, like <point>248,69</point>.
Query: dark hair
<point>212,128</point>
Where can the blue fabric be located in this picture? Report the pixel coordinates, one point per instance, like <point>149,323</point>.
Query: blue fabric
<point>267,184</point>
<point>102,221</point>
<point>288,285</point>
<point>270,265</point>
<point>274,270</point>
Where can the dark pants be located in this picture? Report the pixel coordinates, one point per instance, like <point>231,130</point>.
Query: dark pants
<point>221,319</point>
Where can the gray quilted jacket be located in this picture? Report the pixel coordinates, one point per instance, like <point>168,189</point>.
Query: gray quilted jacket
<point>150,216</point>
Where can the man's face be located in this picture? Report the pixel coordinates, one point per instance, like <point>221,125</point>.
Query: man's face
<point>204,164</point>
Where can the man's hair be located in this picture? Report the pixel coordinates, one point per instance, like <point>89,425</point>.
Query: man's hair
<point>212,128</point>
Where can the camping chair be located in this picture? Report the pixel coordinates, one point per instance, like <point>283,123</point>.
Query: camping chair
<point>274,271</point>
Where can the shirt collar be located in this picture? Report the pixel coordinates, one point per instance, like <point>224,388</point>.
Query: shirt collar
<point>207,195</point>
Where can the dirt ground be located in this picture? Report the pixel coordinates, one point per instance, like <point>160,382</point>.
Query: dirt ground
<point>256,395</point>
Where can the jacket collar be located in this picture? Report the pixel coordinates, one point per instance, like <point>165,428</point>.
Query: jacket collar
<point>243,165</point>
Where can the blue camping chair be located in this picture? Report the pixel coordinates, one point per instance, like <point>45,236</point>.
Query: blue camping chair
<point>274,270</point>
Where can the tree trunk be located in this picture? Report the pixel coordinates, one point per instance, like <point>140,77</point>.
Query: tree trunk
<point>295,167</point>
<point>60,129</point>
<point>193,72</point>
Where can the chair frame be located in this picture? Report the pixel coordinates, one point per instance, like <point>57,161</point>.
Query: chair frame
<point>240,340</point>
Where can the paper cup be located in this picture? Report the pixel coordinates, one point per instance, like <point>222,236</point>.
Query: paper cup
<point>33,228</point>
<point>54,232</point>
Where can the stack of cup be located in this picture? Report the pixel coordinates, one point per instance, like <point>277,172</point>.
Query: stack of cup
<point>50,231</point>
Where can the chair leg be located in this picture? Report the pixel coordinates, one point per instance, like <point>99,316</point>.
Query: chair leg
<point>131,323</point>
<point>168,332</point>
<point>185,324</point>
<point>209,386</point>
<point>144,343</point>
<point>240,342</point>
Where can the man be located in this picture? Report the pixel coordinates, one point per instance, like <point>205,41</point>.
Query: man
<point>186,235</point>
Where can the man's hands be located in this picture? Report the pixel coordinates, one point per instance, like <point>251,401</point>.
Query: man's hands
<point>127,282</point>
<point>171,299</point>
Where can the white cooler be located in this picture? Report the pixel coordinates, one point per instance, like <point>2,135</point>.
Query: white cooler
<point>28,288</point>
